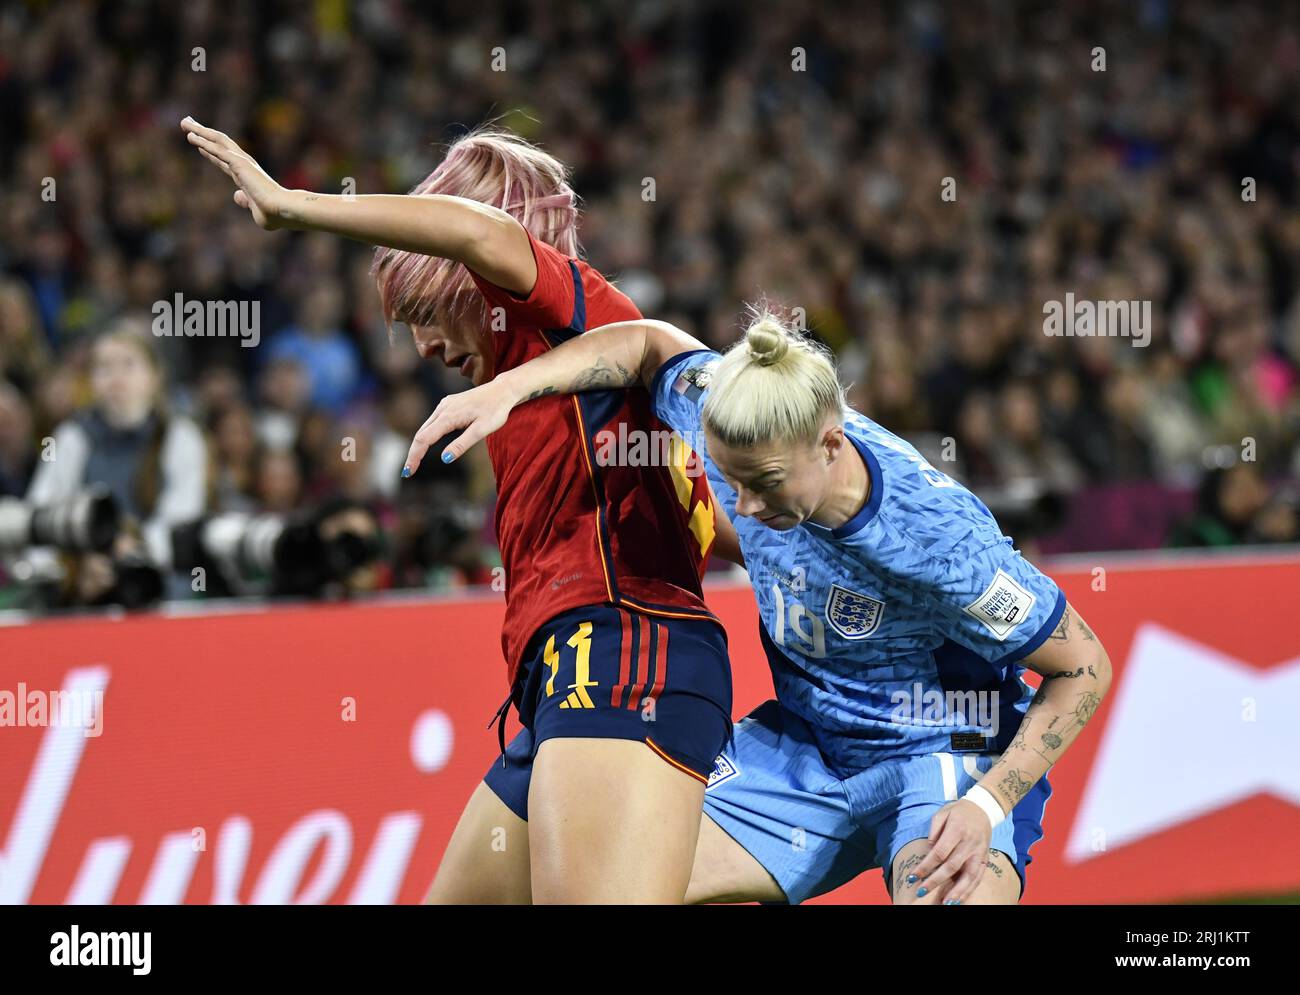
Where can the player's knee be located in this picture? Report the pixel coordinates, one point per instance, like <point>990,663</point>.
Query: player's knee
<point>999,884</point>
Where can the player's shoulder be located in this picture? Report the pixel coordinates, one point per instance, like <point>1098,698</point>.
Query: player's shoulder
<point>688,374</point>
<point>935,520</point>
<point>885,446</point>
<point>605,301</point>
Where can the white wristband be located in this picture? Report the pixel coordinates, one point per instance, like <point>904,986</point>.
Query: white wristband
<point>985,800</point>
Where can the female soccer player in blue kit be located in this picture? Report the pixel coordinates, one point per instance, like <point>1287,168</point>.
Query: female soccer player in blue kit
<point>897,620</point>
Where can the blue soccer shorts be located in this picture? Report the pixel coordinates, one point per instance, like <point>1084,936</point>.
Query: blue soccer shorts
<point>813,830</point>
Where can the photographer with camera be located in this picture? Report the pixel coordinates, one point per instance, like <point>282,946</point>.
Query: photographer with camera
<point>152,462</point>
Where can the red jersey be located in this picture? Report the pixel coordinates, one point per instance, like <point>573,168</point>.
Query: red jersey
<point>572,531</point>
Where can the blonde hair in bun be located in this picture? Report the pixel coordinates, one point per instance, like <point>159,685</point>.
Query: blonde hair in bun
<point>767,340</point>
<point>775,383</point>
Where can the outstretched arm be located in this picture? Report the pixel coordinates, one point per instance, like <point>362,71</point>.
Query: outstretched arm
<point>611,357</point>
<point>487,240</point>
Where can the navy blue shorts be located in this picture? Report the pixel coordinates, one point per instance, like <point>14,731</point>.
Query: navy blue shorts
<point>604,672</point>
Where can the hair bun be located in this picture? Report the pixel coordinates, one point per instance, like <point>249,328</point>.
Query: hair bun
<point>767,341</point>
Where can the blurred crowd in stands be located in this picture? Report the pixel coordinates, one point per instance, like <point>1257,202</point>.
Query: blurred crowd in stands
<point>919,178</point>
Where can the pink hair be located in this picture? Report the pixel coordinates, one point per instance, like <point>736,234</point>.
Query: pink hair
<point>492,166</point>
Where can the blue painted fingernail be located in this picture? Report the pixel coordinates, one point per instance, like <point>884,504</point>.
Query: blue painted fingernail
<point>920,892</point>
<point>911,879</point>
<point>953,901</point>
<point>447,457</point>
<point>406,472</point>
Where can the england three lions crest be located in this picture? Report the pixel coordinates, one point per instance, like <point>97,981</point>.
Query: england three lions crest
<point>723,770</point>
<point>853,615</point>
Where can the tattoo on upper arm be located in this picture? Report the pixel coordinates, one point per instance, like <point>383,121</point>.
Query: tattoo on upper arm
<point>1062,631</point>
<point>596,376</point>
<point>1087,633</point>
<point>1078,672</point>
<point>601,374</point>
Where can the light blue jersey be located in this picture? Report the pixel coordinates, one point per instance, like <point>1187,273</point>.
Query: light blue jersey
<point>899,633</point>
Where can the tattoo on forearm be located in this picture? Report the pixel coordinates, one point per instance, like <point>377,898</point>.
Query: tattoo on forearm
<point>289,214</point>
<point>544,392</point>
<point>1020,741</point>
<point>1086,706</point>
<point>1051,741</point>
<point>993,865</point>
<point>1014,786</point>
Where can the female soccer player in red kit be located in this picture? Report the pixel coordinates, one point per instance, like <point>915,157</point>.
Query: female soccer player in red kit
<point>619,672</point>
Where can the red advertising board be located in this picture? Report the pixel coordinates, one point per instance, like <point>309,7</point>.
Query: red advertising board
<point>323,753</point>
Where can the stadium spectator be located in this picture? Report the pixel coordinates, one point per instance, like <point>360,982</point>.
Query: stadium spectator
<point>17,452</point>
<point>152,461</point>
<point>318,343</point>
<point>930,178</point>
<point>1235,506</point>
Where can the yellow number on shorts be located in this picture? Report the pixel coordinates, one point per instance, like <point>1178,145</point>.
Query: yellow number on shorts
<point>578,697</point>
<point>552,659</point>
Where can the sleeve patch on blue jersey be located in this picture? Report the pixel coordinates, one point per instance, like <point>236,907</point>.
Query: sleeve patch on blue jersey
<point>1002,606</point>
<point>694,381</point>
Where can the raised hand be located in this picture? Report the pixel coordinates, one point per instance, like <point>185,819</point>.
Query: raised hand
<point>257,193</point>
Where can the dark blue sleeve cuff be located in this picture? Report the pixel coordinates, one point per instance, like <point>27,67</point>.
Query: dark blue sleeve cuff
<point>1039,637</point>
